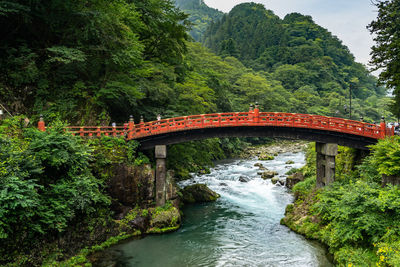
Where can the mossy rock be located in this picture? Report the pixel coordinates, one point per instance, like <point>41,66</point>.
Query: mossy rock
<point>198,193</point>
<point>289,162</point>
<point>268,174</point>
<point>266,157</point>
<point>164,219</point>
<point>293,179</point>
<point>274,180</point>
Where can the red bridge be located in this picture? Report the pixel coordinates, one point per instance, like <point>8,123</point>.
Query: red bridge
<point>327,132</point>
<point>242,124</point>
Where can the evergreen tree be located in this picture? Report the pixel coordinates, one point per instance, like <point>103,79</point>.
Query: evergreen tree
<point>385,54</point>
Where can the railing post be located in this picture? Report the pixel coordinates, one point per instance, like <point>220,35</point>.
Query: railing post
<point>114,129</point>
<point>257,113</point>
<point>131,125</point>
<point>158,122</point>
<point>363,125</point>
<point>41,124</point>
<point>383,127</point>
<point>98,132</point>
<point>250,115</point>
<point>81,133</point>
<point>141,124</point>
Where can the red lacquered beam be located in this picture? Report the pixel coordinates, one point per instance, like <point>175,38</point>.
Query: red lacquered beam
<point>232,119</point>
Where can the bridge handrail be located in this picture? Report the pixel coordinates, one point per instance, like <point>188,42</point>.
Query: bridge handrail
<point>232,119</point>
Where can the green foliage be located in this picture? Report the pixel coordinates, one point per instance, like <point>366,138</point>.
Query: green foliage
<point>45,184</point>
<point>386,156</point>
<point>200,16</point>
<point>313,69</point>
<point>345,162</point>
<point>384,57</point>
<point>193,156</point>
<point>292,171</point>
<point>85,58</point>
<point>303,188</point>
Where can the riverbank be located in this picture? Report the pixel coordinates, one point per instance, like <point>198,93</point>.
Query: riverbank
<point>355,217</point>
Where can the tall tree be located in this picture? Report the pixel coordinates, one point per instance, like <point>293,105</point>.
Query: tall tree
<point>386,52</point>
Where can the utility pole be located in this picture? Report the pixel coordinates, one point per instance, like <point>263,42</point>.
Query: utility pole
<point>351,84</point>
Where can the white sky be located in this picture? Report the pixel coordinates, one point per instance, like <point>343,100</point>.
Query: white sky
<point>347,19</point>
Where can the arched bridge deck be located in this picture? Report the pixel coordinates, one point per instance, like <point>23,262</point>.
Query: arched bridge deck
<point>244,124</point>
<point>326,131</point>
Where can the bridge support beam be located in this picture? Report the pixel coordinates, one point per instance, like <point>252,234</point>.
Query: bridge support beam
<point>326,154</point>
<point>161,174</point>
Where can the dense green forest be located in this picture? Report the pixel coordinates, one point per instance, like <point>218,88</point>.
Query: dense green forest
<point>200,16</point>
<point>310,63</point>
<point>101,62</point>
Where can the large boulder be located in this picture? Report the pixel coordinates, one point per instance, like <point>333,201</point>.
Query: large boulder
<point>198,193</point>
<point>268,174</point>
<point>293,179</point>
<point>131,185</point>
<point>164,219</point>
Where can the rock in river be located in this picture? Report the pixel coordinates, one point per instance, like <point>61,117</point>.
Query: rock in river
<point>266,157</point>
<point>198,193</point>
<point>268,174</point>
<point>244,179</point>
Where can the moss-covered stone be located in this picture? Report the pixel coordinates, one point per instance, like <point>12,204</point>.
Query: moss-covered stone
<point>268,174</point>
<point>198,193</point>
<point>164,219</point>
<point>289,162</point>
<point>266,157</point>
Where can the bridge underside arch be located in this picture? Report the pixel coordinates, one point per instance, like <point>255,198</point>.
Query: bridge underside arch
<point>314,135</point>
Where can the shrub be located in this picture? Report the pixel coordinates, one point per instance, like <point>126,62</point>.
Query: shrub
<point>386,156</point>
<point>45,183</point>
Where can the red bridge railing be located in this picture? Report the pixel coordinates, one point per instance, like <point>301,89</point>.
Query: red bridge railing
<point>233,119</point>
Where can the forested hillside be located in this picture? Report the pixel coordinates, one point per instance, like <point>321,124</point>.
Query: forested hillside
<point>200,15</point>
<point>90,61</point>
<point>310,63</point>
<point>106,60</point>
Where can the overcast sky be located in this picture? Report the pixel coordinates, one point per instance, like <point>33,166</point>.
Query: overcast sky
<point>347,19</point>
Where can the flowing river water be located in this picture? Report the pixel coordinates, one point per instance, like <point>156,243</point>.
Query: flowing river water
<point>240,229</point>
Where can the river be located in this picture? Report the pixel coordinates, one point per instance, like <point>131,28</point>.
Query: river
<point>240,229</point>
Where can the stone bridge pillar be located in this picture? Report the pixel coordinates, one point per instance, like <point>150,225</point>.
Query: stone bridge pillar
<point>161,174</point>
<point>326,154</point>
